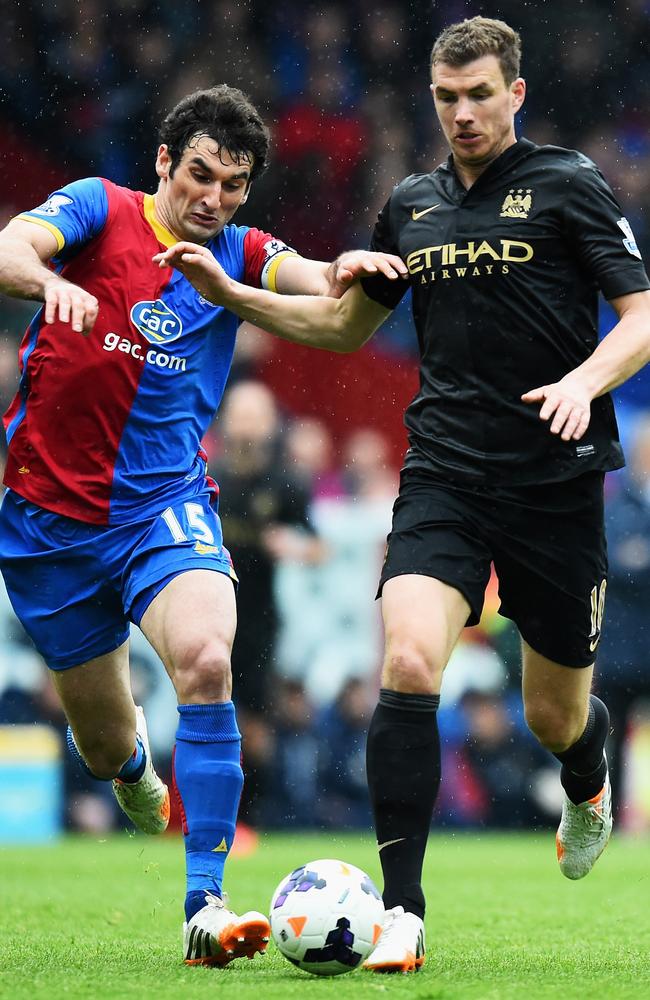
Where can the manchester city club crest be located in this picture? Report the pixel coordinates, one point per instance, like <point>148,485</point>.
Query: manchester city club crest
<point>517,204</point>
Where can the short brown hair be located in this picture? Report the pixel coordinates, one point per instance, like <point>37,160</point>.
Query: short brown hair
<point>465,41</point>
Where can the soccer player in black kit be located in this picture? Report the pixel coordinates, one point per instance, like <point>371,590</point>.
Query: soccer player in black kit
<point>511,432</point>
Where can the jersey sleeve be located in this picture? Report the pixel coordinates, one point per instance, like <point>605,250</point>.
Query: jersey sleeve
<point>73,214</point>
<point>379,288</point>
<point>263,254</point>
<point>602,235</point>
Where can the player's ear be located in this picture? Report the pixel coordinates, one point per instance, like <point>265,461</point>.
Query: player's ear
<point>518,91</point>
<point>163,161</point>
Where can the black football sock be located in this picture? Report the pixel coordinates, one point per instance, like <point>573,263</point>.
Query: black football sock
<point>403,765</point>
<point>583,765</point>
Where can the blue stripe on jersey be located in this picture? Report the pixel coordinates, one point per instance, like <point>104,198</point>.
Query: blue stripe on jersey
<point>79,211</point>
<point>180,389</point>
<point>32,333</point>
<point>228,248</point>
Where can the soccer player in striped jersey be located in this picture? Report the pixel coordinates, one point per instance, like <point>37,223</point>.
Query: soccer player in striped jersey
<point>110,515</point>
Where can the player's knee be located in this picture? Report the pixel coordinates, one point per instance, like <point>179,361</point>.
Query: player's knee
<point>557,727</point>
<point>410,670</point>
<point>202,672</point>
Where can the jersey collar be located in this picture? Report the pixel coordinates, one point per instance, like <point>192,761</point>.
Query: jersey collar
<point>162,235</point>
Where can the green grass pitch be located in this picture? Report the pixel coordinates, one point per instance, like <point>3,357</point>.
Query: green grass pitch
<point>101,919</point>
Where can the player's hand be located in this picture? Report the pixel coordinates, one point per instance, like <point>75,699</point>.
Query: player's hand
<point>70,304</point>
<point>200,268</point>
<point>566,404</point>
<point>356,264</point>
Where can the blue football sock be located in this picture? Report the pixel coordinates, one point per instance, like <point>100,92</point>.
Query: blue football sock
<point>208,780</point>
<point>76,756</point>
<point>131,771</point>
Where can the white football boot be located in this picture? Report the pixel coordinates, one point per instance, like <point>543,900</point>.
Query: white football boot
<point>216,936</point>
<point>400,947</point>
<point>583,832</point>
<point>145,801</point>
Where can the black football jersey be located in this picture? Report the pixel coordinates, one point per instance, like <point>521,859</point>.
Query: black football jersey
<point>505,278</point>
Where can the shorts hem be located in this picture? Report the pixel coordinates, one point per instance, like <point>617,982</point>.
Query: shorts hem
<point>165,578</point>
<point>551,655</point>
<point>93,654</point>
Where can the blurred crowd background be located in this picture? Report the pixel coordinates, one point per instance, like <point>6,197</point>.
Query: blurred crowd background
<point>307,447</point>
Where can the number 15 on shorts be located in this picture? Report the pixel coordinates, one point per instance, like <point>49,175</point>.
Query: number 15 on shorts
<point>196,524</point>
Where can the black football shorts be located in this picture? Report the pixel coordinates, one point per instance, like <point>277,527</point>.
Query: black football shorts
<point>547,543</point>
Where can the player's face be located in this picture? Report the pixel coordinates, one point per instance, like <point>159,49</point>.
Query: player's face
<point>204,192</point>
<point>476,108</point>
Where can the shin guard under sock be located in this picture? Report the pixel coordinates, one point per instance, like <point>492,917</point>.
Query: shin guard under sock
<point>583,765</point>
<point>403,765</point>
<point>208,781</point>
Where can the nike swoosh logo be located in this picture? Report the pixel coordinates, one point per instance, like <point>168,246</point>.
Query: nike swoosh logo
<point>418,215</point>
<point>388,843</point>
<point>592,645</point>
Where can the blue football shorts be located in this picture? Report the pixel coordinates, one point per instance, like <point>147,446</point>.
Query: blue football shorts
<point>75,586</point>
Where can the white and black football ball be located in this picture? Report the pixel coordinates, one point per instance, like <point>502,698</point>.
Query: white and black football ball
<point>326,917</point>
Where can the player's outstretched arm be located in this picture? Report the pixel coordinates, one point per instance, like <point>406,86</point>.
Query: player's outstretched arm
<point>340,325</point>
<point>301,276</point>
<point>25,249</point>
<point>622,353</point>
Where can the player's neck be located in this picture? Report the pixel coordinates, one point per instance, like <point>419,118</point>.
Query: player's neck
<point>469,173</point>
<point>163,216</point>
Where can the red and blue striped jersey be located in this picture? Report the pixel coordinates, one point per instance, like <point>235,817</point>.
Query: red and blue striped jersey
<point>107,428</point>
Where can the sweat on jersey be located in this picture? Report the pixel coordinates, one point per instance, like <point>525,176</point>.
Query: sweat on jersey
<point>107,428</point>
<point>505,278</point>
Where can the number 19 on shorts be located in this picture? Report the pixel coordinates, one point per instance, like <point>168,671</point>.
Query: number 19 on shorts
<point>597,598</point>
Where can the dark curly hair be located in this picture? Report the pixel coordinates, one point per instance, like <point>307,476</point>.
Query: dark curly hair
<point>224,114</point>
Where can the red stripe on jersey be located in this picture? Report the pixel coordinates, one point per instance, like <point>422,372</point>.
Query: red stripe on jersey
<point>63,453</point>
<point>258,247</point>
<point>16,402</point>
<point>211,483</point>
